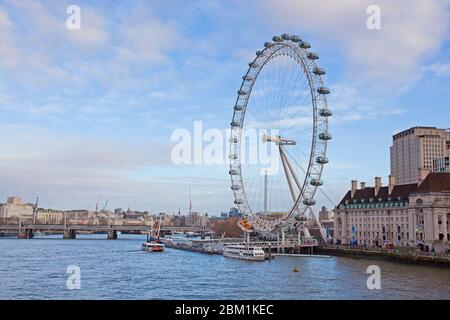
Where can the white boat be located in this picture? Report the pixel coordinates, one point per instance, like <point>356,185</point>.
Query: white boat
<point>153,247</point>
<point>153,244</point>
<point>244,252</point>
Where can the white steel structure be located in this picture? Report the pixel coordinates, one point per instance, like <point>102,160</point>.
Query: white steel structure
<point>283,99</point>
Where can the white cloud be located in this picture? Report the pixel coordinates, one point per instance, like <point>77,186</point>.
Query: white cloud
<point>148,41</point>
<point>50,108</point>
<point>37,47</point>
<point>350,103</point>
<point>67,169</point>
<point>9,54</point>
<point>438,69</point>
<point>410,33</point>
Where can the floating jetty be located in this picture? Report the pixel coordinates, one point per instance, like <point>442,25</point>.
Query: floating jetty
<point>216,246</point>
<point>297,255</point>
<point>201,246</point>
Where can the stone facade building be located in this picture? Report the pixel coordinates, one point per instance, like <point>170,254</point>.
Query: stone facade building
<point>14,208</point>
<point>49,216</point>
<point>404,215</point>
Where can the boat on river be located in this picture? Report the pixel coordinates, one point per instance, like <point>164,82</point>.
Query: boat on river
<point>153,246</point>
<point>244,252</point>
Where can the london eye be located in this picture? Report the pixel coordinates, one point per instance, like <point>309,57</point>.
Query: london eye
<point>279,135</point>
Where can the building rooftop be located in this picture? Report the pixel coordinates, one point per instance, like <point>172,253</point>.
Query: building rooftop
<point>410,130</point>
<point>434,182</point>
<point>399,191</point>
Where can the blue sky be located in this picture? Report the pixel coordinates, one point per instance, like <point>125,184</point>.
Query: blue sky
<point>88,114</point>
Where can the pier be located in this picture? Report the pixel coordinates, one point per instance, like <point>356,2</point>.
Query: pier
<point>215,246</point>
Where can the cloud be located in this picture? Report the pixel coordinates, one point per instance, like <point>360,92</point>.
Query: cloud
<point>350,103</point>
<point>64,168</point>
<point>148,41</point>
<point>50,108</point>
<point>34,39</point>
<point>93,33</point>
<point>9,54</point>
<point>38,47</point>
<point>95,74</point>
<point>438,69</point>
<point>410,33</point>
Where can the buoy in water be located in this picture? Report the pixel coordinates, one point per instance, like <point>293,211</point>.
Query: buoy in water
<point>296,269</point>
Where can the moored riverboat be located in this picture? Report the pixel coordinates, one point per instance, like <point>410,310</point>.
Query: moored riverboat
<point>244,252</point>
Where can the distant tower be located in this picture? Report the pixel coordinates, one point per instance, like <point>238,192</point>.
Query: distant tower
<point>265,192</point>
<point>190,201</point>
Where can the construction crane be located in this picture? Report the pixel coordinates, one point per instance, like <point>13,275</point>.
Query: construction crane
<point>106,204</point>
<point>35,210</point>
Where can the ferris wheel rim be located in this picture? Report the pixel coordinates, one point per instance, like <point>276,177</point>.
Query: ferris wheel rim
<point>250,78</point>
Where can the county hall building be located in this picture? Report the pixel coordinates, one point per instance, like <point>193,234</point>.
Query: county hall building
<point>415,214</point>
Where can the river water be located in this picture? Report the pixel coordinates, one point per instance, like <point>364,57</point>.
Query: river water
<point>118,269</point>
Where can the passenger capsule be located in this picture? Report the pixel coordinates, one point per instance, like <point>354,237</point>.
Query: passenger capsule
<point>309,202</point>
<point>325,112</point>
<point>233,172</point>
<point>247,78</point>
<point>312,56</point>
<point>235,124</point>
<point>324,136</point>
<point>277,39</point>
<point>267,44</point>
<point>323,90</point>
<point>286,36</point>
<point>316,182</point>
<point>235,187</point>
<point>253,65</point>
<point>238,201</point>
<point>295,38</point>
<point>238,108</point>
<point>304,45</point>
<point>322,160</point>
<point>242,92</point>
<point>319,71</point>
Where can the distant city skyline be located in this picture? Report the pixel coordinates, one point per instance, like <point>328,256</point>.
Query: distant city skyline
<point>88,114</point>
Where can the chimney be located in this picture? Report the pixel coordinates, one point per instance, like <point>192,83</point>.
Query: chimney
<point>392,181</point>
<point>363,185</point>
<point>354,187</point>
<point>377,185</point>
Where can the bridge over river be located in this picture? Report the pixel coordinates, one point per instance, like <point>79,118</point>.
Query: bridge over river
<point>27,231</point>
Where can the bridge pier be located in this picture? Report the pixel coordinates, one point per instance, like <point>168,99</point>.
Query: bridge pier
<point>70,234</point>
<point>112,235</point>
<point>26,234</point>
<point>278,242</point>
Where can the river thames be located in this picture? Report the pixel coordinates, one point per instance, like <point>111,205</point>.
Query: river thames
<point>118,269</point>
